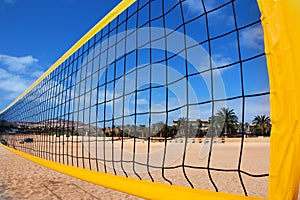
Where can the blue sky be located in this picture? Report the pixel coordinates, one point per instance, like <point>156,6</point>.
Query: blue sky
<point>34,34</point>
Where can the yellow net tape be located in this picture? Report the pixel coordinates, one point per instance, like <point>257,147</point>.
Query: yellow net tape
<point>282,42</point>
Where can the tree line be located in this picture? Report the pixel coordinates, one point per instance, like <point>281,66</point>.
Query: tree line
<point>224,123</point>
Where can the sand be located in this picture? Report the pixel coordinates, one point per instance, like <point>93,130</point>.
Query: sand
<point>23,179</point>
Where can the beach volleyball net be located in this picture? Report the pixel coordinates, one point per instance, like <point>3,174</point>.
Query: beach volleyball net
<point>164,91</point>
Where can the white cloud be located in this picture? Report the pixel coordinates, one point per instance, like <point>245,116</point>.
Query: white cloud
<point>220,60</point>
<point>194,6</point>
<point>37,73</point>
<point>16,75</point>
<point>142,102</point>
<point>4,74</point>
<point>253,37</point>
<point>211,4</point>
<point>17,64</point>
<point>13,86</point>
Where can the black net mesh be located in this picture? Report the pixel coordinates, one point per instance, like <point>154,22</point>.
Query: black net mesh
<point>166,92</point>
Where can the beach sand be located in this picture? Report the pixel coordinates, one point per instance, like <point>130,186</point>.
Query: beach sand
<point>23,179</point>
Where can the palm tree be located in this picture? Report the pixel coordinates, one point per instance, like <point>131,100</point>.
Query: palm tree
<point>262,125</point>
<point>228,118</point>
